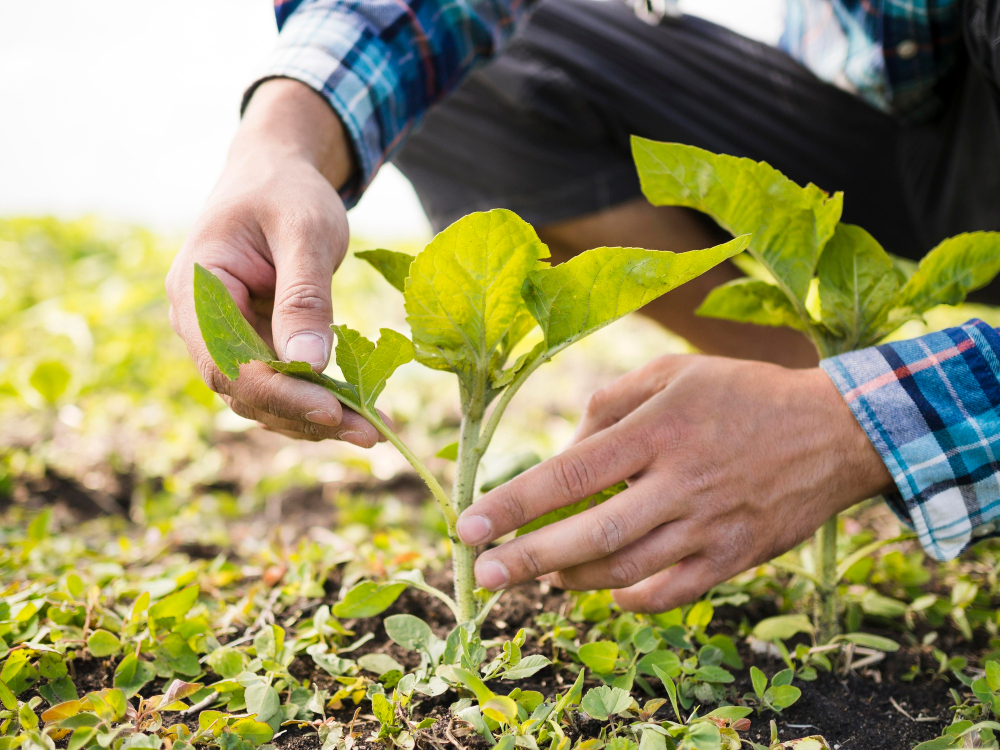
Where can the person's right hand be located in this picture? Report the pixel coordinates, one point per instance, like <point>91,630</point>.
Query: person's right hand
<point>274,230</point>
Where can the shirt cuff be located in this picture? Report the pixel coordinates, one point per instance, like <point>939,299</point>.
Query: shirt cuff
<point>312,51</point>
<point>931,407</point>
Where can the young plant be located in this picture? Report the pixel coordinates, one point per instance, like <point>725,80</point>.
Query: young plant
<point>471,297</point>
<point>830,280</point>
<point>779,696</point>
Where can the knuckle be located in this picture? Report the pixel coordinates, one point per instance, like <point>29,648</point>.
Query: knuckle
<point>608,532</point>
<point>574,476</point>
<point>597,402</point>
<point>624,571</point>
<point>529,561</point>
<point>303,297</point>
<point>510,508</point>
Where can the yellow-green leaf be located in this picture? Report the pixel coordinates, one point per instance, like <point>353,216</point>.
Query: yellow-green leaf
<point>790,224</point>
<point>752,301</point>
<point>393,266</point>
<point>367,366</point>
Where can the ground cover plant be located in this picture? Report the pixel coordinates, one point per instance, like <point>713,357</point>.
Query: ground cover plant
<point>217,596</point>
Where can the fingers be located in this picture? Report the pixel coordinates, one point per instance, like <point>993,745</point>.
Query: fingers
<point>305,255</point>
<point>659,549</point>
<point>594,534</point>
<point>352,427</point>
<point>612,403</point>
<point>681,584</point>
<point>591,466</point>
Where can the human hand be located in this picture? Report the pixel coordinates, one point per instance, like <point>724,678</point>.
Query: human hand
<point>274,230</point>
<point>729,463</point>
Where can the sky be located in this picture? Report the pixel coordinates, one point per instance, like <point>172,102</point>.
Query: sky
<point>125,108</point>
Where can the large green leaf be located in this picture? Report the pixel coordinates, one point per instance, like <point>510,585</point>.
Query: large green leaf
<point>858,284</point>
<point>463,294</point>
<point>230,339</point>
<point>367,366</point>
<point>586,293</point>
<point>393,266</point>
<point>752,301</point>
<point>790,224</point>
<point>957,266</point>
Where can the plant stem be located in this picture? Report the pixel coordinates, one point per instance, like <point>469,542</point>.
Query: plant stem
<point>827,609</point>
<point>505,399</point>
<point>463,557</point>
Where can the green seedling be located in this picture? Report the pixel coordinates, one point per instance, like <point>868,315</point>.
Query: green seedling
<point>778,696</point>
<point>472,296</point>
<point>813,273</point>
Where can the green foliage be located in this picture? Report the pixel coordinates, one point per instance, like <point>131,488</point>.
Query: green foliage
<point>368,599</point>
<point>393,266</point>
<point>780,695</point>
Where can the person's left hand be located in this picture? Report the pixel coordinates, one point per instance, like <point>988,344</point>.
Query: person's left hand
<point>729,464</point>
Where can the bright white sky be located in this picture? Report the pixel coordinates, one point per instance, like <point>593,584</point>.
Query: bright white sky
<point>125,108</point>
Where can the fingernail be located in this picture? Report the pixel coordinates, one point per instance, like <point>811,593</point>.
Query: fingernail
<point>354,437</point>
<point>491,574</point>
<point>306,347</point>
<point>322,417</point>
<point>473,529</point>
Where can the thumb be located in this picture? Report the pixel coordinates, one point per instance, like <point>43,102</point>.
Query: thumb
<point>303,310</point>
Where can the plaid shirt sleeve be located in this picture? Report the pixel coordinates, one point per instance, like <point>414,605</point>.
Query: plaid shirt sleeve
<point>381,63</point>
<point>931,407</point>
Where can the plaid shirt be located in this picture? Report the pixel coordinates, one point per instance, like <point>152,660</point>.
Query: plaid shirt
<point>931,407</point>
<point>893,53</point>
<point>382,63</point>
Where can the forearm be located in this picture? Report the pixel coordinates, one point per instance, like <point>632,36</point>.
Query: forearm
<point>287,119</point>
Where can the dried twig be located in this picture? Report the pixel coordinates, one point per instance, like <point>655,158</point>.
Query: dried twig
<point>450,736</point>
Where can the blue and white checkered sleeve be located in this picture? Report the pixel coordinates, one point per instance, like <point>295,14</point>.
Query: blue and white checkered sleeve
<point>931,407</point>
<point>381,63</point>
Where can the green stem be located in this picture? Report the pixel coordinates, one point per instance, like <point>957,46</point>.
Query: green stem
<point>827,606</point>
<point>450,516</point>
<point>463,557</point>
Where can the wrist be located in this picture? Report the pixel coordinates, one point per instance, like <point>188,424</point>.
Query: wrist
<point>287,120</point>
<point>859,469</point>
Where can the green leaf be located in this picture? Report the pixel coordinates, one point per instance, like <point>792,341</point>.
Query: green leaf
<point>790,224</point>
<point>393,266</point>
<point>871,641</point>
<point>368,599</point>
<point>710,673</point>
<point>408,631</point>
<point>993,675</point>
<point>170,610</point>
<point>957,266</point>
<point>52,666</point>
<point>939,743</point>
<point>7,697</point>
<point>81,738</point>
<point>572,509</point>
<point>50,378</point>
<point>474,683</point>
<point>379,664</point>
<point>603,702</point>
<point>367,366</point>
<point>666,661</point>
<point>599,286</point>
<point>500,708</point>
<point>782,627</point>
<point>600,656</point>
<point>101,643</point>
<point>229,338</point>
<point>132,675</point>
<point>175,652</point>
<point>226,662</point>
<point>784,677</point>
<point>449,452</point>
<point>759,680</point>
<point>874,603</point>
<point>463,294</point>
<point>254,732</point>
<point>857,287</point>
<point>703,735</point>
<point>526,667</point>
<point>752,301</point>
<point>264,702</point>
<point>782,696</point>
